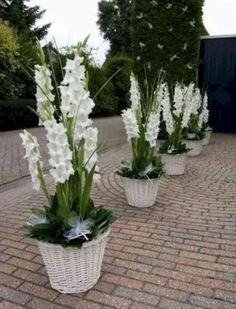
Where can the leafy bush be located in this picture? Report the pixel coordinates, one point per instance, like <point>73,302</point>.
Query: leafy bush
<point>105,101</point>
<point>121,81</point>
<point>17,115</point>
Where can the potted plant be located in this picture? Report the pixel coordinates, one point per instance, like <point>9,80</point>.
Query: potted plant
<point>176,114</point>
<point>71,232</point>
<point>193,133</point>
<point>141,174</point>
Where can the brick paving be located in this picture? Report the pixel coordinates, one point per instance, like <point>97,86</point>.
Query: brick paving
<point>178,254</point>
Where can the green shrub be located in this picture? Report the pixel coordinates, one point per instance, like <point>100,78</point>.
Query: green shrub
<point>121,81</point>
<point>17,115</point>
<point>105,102</point>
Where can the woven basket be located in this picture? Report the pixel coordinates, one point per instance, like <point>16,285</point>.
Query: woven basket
<point>174,164</point>
<point>206,140</point>
<point>141,192</point>
<point>72,270</point>
<point>195,146</point>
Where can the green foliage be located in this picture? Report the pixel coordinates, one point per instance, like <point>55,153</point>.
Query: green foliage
<point>24,18</point>
<point>8,63</point>
<point>193,132</point>
<point>15,83</point>
<point>114,21</point>
<point>121,81</point>
<point>17,115</point>
<point>8,39</point>
<point>56,226</point>
<point>166,147</point>
<point>105,101</point>
<point>138,169</point>
<point>167,38</point>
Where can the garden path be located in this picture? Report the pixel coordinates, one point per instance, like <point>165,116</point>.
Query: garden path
<point>178,254</point>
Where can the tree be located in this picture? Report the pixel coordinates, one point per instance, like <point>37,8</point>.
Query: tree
<point>8,64</point>
<point>166,38</point>
<point>23,18</point>
<point>114,21</point>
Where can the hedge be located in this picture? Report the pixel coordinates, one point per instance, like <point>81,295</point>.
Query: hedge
<point>16,114</point>
<point>121,81</point>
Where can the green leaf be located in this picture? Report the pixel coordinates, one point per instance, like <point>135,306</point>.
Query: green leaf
<point>85,195</point>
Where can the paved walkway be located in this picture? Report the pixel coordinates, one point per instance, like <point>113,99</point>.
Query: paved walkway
<point>12,164</point>
<point>179,254</point>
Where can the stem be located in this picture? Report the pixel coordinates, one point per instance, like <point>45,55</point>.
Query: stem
<point>43,183</point>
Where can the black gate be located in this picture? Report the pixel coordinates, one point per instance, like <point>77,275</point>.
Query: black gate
<point>217,74</point>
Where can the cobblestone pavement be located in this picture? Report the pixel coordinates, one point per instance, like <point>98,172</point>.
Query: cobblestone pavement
<point>12,164</point>
<point>178,254</point>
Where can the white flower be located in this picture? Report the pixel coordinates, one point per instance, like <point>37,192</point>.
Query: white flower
<point>196,102</point>
<point>90,149</point>
<point>79,227</point>
<point>135,96</point>
<point>167,114</point>
<point>59,151</point>
<point>192,103</point>
<point>153,128</point>
<point>178,100</point>
<point>44,94</point>
<point>75,99</point>
<point>130,123</point>
<point>205,109</point>
<point>31,146</point>
<point>200,120</point>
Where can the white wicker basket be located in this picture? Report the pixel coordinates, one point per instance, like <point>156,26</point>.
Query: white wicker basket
<point>195,146</point>
<point>73,270</point>
<point>174,164</point>
<point>206,140</point>
<point>141,192</point>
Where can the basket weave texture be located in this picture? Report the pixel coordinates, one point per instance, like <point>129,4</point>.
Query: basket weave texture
<point>73,270</point>
<point>206,140</point>
<point>195,146</point>
<point>174,164</point>
<point>141,192</point>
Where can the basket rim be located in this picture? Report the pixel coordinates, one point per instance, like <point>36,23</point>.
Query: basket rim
<point>141,180</point>
<point>84,245</point>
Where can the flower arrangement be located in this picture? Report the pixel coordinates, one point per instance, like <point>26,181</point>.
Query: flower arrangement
<point>142,121</point>
<point>176,116</point>
<point>204,115</point>
<point>195,130</point>
<point>70,218</point>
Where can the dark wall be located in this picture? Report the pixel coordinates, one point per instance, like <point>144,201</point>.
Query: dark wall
<point>217,74</point>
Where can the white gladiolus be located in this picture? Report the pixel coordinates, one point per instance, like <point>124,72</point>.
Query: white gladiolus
<point>205,109</point>
<point>130,123</point>
<point>59,151</point>
<point>204,116</point>
<point>90,147</point>
<point>135,96</point>
<point>196,101</point>
<point>75,100</point>
<point>44,94</point>
<point>178,100</point>
<point>153,128</point>
<point>31,146</point>
<point>167,115</point>
<point>192,101</point>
